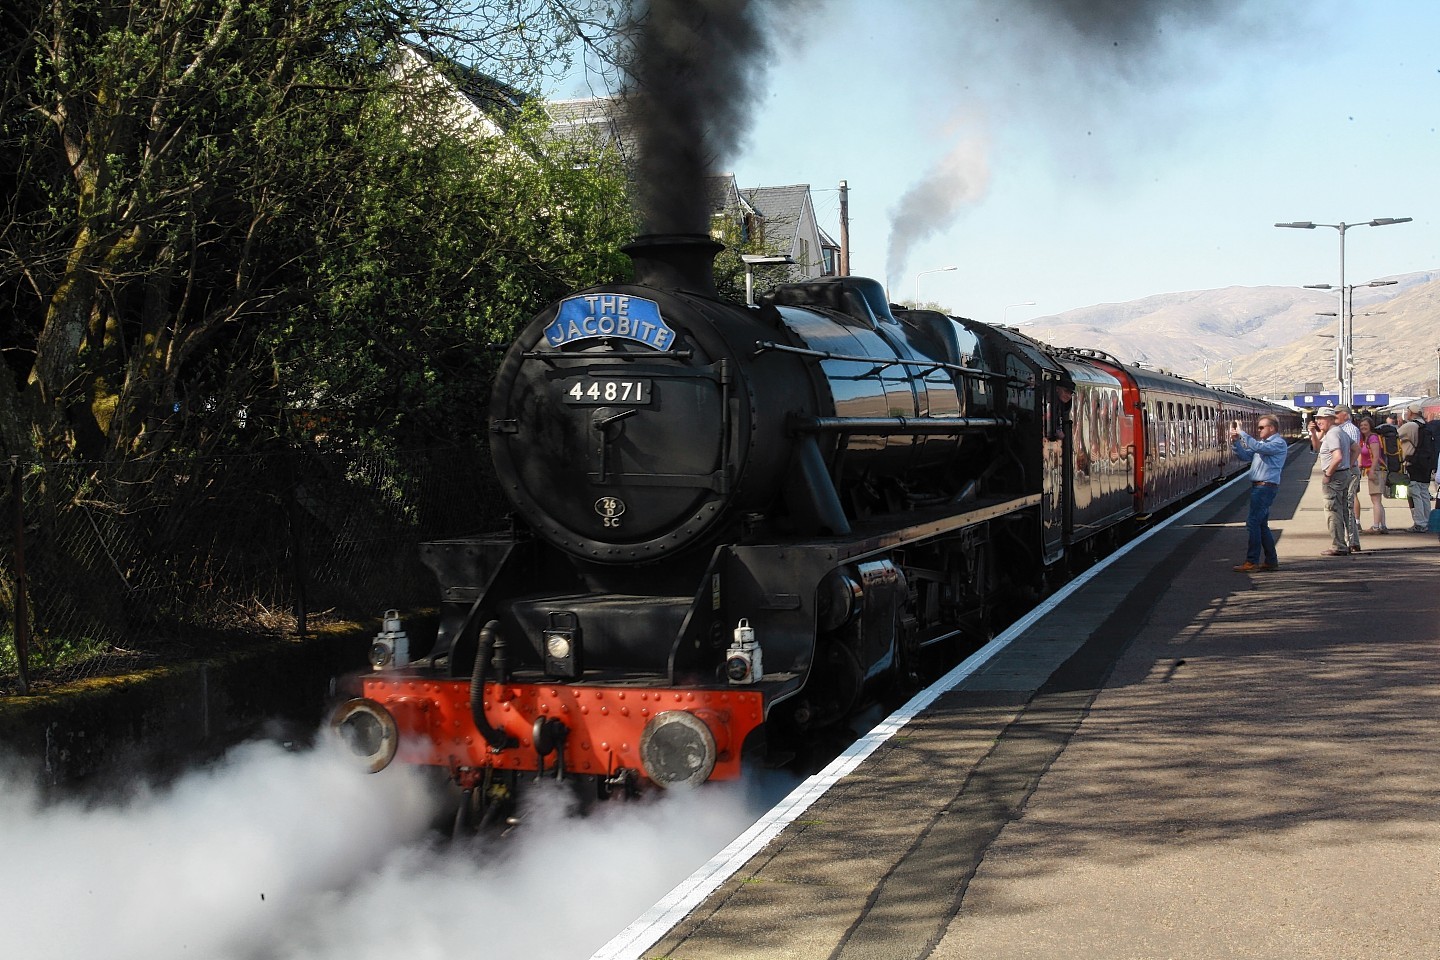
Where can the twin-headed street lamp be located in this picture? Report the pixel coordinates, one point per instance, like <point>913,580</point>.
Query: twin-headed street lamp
<point>1344,345</point>
<point>1347,386</point>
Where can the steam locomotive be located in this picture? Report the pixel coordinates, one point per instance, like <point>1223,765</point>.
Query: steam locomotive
<point>735,523</point>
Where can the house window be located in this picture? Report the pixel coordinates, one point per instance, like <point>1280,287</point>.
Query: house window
<point>805,254</point>
<point>827,255</point>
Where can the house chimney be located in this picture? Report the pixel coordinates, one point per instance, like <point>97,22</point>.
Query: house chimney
<point>676,261</point>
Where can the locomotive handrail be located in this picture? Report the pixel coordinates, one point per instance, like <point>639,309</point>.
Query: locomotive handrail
<point>551,356</point>
<point>1091,353</point>
<point>898,425</point>
<point>880,363</point>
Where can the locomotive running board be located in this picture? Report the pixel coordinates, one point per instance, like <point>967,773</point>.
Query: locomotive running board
<point>859,544</point>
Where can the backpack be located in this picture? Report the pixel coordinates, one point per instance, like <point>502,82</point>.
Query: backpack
<point>1427,447</point>
<point>1389,446</point>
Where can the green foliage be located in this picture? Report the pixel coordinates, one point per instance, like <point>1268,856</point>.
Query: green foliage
<point>193,186</point>
<point>448,247</point>
<point>730,269</point>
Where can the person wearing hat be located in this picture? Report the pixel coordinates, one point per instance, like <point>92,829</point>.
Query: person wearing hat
<point>1352,430</point>
<point>1334,448</point>
<point>1267,454</point>
<point>1419,473</point>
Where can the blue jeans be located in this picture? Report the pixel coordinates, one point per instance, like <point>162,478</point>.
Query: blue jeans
<point>1257,524</point>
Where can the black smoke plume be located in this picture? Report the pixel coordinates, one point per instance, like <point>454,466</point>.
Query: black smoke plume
<point>693,75</point>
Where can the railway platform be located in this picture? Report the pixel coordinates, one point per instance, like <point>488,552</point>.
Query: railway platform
<point>1175,761</point>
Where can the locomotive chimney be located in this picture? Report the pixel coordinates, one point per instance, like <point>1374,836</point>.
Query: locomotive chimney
<point>678,261</point>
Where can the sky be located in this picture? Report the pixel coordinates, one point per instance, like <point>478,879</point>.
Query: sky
<point>1056,155</point>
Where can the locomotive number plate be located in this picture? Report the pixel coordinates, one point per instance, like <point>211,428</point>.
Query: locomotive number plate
<point>606,390</point>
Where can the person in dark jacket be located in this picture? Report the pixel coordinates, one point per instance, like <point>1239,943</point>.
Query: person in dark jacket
<point>1419,473</point>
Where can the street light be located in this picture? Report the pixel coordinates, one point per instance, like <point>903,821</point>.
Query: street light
<point>1339,360</point>
<point>921,274</point>
<point>1005,316</point>
<point>1345,349</point>
<point>753,260</point>
<point>1347,388</point>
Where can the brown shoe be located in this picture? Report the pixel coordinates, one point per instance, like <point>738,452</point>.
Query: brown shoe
<point>1332,552</point>
<point>1248,567</point>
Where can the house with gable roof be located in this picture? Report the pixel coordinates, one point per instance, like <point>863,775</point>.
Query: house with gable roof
<point>775,220</point>
<point>465,99</point>
<point>595,123</point>
<point>786,221</point>
<point>778,220</point>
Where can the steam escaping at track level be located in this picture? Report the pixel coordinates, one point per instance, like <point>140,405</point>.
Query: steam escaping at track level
<point>277,855</point>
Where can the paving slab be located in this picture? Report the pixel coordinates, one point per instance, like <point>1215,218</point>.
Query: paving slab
<point>1180,761</point>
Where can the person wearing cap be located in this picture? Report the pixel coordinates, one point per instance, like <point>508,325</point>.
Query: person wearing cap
<point>1352,430</point>
<point>1267,458</point>
<point>1334,448</point>
<point>1420,474</point>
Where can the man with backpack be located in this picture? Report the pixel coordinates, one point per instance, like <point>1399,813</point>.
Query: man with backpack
<point>1419,446</point>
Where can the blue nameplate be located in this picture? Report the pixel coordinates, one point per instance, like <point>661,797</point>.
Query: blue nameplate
<point>593,315</point>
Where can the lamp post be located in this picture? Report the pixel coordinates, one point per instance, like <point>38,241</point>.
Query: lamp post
<point>1005,315</point>
<point>1346,387</point>
<point>1345,348</point>
<point>921,274</point>
<point>1339,360</point>
<point>753,260</point>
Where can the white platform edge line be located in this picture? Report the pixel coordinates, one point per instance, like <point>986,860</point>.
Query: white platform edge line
<point>654,923</point>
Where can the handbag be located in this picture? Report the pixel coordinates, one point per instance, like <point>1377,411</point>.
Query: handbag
<point>1397,487</point>
<point>1435,521</point>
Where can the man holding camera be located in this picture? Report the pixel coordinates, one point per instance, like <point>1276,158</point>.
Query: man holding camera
<point>1335,449</point>
<point>1267,458</point>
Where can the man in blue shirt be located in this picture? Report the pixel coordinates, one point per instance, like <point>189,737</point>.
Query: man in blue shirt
<point>1267,458</point>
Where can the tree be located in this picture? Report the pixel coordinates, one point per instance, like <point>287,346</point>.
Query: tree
<point>446,248</point>
<point>177,166</point>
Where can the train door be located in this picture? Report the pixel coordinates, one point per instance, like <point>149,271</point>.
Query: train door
<point>1055,456</point>
<point>1152,452</point>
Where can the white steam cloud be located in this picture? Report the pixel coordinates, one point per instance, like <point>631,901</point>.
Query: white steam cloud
<point>280,855</point>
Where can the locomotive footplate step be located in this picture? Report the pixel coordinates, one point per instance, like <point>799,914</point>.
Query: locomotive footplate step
<point>1178,760</point>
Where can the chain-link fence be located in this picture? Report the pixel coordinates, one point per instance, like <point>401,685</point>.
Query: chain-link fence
<point>114,567</point>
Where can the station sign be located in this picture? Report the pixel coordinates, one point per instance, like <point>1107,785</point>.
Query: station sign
<point>1372,399</point>
<point>1316,399</point>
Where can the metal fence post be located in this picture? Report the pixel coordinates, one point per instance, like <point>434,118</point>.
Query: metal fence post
<point>22,587</point>
<point>297,541</point>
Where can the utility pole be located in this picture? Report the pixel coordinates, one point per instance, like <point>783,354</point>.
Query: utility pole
<point>844,270</point>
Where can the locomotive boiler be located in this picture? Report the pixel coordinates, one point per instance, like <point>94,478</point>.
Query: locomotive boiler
<point>732,521</point>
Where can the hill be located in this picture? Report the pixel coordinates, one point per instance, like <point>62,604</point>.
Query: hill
<point>1269,340</point>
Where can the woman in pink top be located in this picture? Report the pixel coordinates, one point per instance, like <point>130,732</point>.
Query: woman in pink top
<point>1372,464</point>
